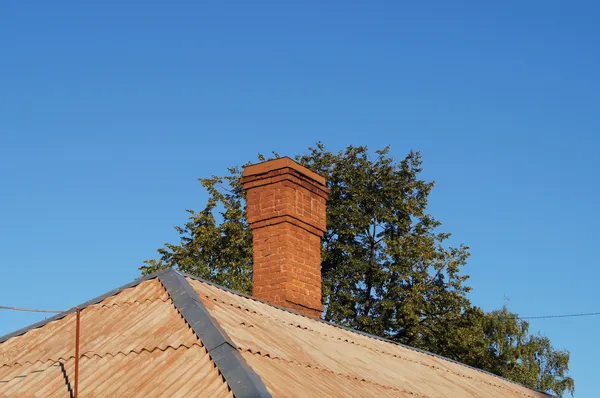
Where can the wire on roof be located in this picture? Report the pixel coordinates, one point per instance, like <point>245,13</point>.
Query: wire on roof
<point>2,307</point>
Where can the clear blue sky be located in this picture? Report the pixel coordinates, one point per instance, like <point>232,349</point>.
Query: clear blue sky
<point>109,113</point>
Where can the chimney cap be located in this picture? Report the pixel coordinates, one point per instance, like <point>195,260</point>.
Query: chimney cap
<point>281,163</point>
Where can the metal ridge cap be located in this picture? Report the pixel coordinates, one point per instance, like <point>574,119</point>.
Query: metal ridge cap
<point>237,373</point>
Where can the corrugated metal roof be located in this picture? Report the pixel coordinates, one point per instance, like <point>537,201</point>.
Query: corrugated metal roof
<point>134,343</point>
<point>173,335</point>
<point>172,372</point>
<point>298,356</point>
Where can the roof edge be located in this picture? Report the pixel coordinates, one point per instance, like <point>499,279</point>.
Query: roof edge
<point>241,378</point>
<point>83,305</point>
<point>358,331</point>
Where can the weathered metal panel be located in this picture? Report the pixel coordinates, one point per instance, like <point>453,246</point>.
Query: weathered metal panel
<point>172,372</point>
<point>133,344</point>
<point>295,354</point>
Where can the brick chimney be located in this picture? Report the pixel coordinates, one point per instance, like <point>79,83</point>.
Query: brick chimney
<point>286,212</point>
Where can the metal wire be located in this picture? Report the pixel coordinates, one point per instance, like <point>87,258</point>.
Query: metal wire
<point>560,316</point>
<point>2,307</point>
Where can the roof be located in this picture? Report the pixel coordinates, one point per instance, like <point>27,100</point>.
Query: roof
<point>170,334</point>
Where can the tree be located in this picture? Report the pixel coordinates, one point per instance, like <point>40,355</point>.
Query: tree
<point>217,251</point>
<point>499,342</point>
<point>386,268</point>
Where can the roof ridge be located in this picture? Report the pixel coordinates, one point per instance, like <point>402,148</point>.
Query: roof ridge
<point>239,376</point>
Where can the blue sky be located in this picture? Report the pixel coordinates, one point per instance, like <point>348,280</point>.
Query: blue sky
<point>110,112</point>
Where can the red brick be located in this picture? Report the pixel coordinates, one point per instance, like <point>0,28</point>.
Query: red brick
<point>286,212</point>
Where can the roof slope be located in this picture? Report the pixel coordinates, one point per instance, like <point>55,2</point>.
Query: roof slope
<point>299,356</point>
<point>174,335</point>
<point>134,343</point>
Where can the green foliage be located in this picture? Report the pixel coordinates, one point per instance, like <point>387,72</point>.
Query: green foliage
<point>386,268</point>
<point>216,251</point>
<point>499,342</point>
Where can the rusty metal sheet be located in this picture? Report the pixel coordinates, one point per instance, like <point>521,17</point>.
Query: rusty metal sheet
<point>105,329</point>
<point>291,352</point>
<point>286,379</point>
<point>173,372</point>
<point>133,344</point>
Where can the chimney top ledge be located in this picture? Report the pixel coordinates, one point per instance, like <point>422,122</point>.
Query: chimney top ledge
<point>280,163</point>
